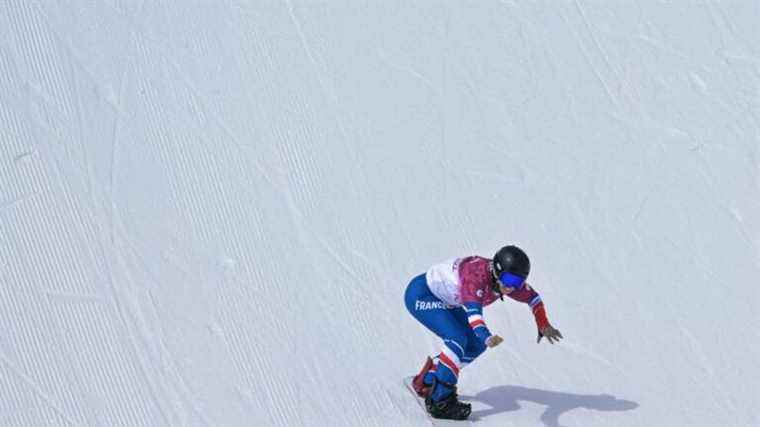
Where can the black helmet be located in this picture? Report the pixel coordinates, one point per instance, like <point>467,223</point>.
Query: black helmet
<point>511,260</point>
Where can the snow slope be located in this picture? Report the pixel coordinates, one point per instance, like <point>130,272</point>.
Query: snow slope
<point>209,211</point>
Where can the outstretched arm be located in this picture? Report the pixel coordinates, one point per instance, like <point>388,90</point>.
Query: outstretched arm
<point>526,294</point>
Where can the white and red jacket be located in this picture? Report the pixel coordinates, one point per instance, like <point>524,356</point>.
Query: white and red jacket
<point>468,282</point>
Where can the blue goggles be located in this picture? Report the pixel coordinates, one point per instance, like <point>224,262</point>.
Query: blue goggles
<point>511,280</point>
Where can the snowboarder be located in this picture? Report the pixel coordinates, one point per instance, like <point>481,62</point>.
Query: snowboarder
<point>449,299</point>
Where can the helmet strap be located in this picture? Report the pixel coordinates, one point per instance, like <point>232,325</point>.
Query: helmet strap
<point>495,281</point>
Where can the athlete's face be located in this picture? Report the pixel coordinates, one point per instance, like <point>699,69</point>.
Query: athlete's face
<point>507,283</point>
<point>510,280</point>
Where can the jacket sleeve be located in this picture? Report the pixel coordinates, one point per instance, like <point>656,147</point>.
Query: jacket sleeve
<point>474,312</point>
<point>528,295</point>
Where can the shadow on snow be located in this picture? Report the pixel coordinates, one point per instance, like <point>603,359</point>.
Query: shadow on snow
<point>506,398</point>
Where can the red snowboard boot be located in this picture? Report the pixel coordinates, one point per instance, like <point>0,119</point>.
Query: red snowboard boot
<point>422,389</point>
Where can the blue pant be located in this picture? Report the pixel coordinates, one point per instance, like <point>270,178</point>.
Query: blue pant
<point>449,323</point>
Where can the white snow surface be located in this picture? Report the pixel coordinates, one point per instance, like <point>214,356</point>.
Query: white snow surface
<point>209,210</point>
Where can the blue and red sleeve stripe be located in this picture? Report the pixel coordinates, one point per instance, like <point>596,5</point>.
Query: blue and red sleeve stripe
<point>475,319</point>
